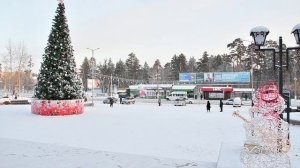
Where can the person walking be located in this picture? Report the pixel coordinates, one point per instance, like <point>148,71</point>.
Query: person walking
<point>111,102</point>
<point>221,106</point>
<point>159,101</point>
<point>208,106</point>
<point>120,100</point>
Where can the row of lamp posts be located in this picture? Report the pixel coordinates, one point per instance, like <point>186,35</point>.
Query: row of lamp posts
<point>259,35</point>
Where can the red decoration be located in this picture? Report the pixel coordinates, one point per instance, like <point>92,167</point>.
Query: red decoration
<point>57,107</point>
<point>268,100</point>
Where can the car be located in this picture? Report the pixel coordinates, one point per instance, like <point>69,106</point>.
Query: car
<point>128,100</point>
<point>180,102</point>
<point>237,102</point>
<point>229,102</point>
<point>107,100</point>
<point>189,101</point>
<point>5,100</point>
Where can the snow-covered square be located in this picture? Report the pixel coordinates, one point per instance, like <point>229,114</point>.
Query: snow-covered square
<point>129,136</point>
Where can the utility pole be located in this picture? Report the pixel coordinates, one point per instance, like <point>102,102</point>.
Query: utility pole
<point>111,86</point>
<point>93,74</point>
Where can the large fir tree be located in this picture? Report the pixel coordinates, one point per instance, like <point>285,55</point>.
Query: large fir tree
<point>58,79</point>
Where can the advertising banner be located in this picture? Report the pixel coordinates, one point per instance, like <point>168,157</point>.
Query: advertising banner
<point>215,77</point>
<point>96,83</point>
<point>232,77</point>
<point>209,77</point>
<point>200,77</point>
<point>187,77</point>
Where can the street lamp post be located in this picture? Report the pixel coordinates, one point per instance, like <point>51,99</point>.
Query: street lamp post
<point>252,77</point>
<point>259,35</point>
<point>295,80</point>
<point>111,86</point>
<point>251,74</point>
<point>157,75</point>
<point>157,86</point>
<point>93,74</point>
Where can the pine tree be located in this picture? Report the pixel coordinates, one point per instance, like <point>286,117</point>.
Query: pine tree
<point>237,51</point>
<point>174,66</point>
<point>191,65</point>
<point>167,72</point>
<point>217,63</point>
<point>133,65</point>
<point>57,79</point>
<point>145,72</point>
<point>156,66</point>
<point>202,65</point>
<point>111,67</point>
<point>84,72</point>
<point>120,69</point>
<point>182,63</point>
<point>104,68</point>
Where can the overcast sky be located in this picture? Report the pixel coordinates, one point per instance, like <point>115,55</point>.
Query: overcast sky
<point>152,29</point>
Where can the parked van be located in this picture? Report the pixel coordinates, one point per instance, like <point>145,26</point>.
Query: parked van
<point>237,102</point>
<point>176,95</point>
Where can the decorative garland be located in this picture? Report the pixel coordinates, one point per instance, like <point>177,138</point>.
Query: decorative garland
<point>267,142</point>
<point>57,107</point>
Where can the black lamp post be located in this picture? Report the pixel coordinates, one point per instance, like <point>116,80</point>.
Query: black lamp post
<point>259,35</point>
<point>296,31</point>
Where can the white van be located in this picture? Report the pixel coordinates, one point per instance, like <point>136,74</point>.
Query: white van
<point>176,95</point>
<point>237,102</point>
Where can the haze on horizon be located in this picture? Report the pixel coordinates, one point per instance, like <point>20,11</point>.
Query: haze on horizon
<point>152,29</point>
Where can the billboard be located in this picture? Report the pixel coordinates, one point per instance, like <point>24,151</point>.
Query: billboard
<point>93,83</point>
<point>215,77</point>
<point>187,77</point>
<point>232,77</point>
<point>209,77</point>
<point>199,77</point>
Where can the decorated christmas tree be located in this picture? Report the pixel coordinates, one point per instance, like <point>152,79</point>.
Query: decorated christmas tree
<point>57,79</point>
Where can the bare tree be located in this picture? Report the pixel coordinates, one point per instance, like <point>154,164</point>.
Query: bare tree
<point>22,58</point>
<point>7,60</point>
<point>14,64</point>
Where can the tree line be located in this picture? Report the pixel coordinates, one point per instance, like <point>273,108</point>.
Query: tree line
<point>242,57</point>
<point>16,67</point>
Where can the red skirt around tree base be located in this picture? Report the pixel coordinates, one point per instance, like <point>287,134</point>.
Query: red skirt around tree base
<point>57,107</point>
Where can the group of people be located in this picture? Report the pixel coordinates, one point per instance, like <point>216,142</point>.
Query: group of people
<point>220,105</point>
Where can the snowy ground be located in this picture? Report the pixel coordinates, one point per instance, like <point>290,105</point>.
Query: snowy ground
<point>129,136</point>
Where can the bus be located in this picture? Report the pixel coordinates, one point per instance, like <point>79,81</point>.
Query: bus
<point>177,94</point>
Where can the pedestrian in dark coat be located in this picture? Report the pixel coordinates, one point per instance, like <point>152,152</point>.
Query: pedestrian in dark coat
<point>208,106</point>
<point>221,106</point>
<point>159,101</point>
<point>111,101</point>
